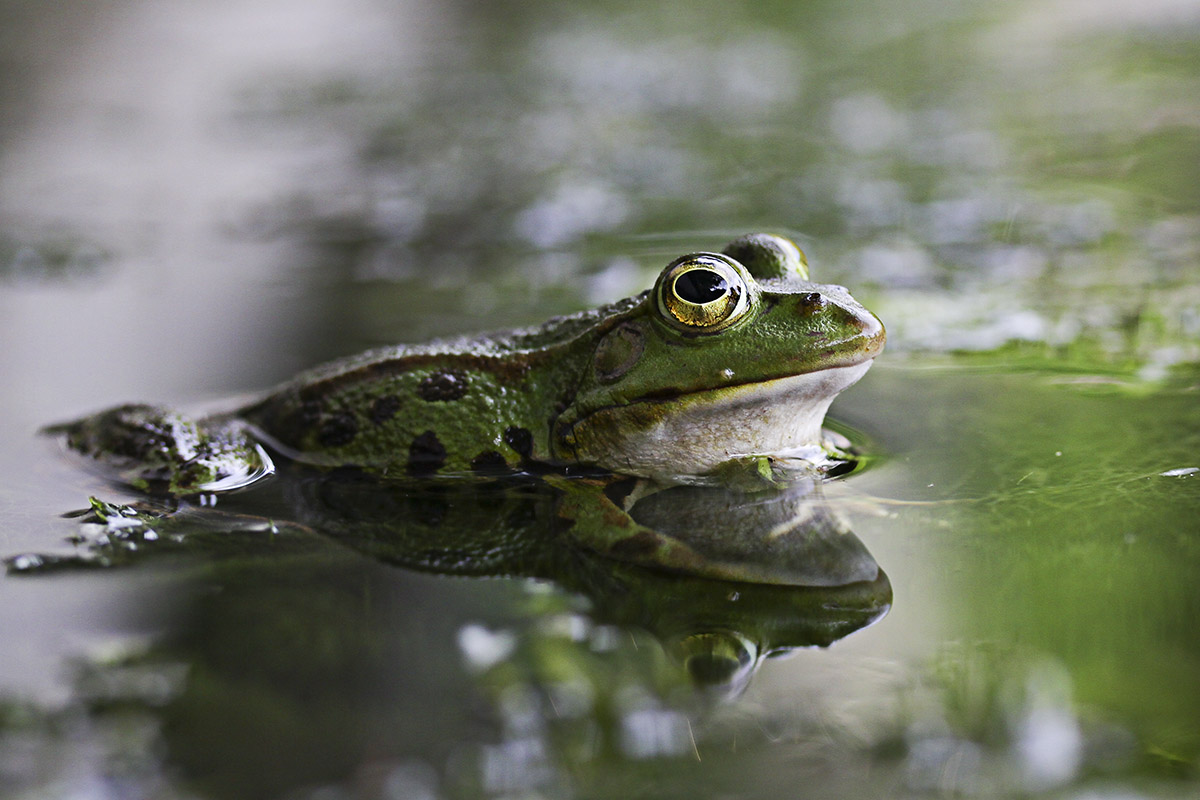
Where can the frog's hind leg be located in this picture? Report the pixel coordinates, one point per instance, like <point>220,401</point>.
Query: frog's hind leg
<point>162,451</point>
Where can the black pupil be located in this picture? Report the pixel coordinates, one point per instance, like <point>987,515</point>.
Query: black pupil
<point>700,286</point>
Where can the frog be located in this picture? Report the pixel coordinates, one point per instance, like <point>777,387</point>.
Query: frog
<point>730,355</point>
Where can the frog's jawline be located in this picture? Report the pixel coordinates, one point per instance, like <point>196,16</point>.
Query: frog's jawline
<point>691,434</point>
<point>667,395</point>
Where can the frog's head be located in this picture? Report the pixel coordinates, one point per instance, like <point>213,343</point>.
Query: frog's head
<point>730,354</point>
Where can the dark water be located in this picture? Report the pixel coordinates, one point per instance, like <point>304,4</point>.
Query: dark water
<point>198,201</point>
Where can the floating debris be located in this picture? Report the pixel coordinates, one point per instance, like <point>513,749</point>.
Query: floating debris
<point>1180,473</point>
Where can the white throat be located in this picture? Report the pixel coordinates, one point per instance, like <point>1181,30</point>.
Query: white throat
<point>705,429</point>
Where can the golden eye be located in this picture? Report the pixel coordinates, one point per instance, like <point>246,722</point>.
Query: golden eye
<point>702,293</point>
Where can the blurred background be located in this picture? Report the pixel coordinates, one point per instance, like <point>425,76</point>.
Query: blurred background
<point>199,199</point>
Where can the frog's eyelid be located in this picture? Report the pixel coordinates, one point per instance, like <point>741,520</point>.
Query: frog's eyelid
<point>707,317</point>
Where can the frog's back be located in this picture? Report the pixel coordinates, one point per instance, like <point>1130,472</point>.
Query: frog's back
<point>478,404</point>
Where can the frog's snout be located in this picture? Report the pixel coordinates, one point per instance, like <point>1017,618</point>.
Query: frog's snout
<point>857,327</point>
<point>874,335</point>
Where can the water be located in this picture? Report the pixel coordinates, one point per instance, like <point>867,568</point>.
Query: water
<point>196,203</point>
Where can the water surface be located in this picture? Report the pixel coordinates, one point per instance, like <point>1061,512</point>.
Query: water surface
<point>198,202</point>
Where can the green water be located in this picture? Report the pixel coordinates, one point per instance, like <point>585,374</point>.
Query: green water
<point>198,202</point>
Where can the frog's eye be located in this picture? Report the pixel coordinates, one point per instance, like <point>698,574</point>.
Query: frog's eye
<point>702,293</point>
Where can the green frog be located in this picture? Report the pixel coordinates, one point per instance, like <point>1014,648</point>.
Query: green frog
<point>729,356</point>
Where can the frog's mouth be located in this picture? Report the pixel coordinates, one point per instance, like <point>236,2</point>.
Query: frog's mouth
<point>692,433</point>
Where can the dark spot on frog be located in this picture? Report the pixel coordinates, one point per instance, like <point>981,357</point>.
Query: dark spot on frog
<point>637,546</point>
<point>287,422</point>
<point>338,430</point>
<point>520,440</point>
<point>443,385</point>
<point>426,454</point>
<point>384,408</point>
<point>489,462</point>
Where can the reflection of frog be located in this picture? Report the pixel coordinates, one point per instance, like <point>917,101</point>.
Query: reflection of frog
<point>729,355</point>
<point>722,577</point>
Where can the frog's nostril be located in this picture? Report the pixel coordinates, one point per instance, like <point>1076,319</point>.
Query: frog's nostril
<point>812,301</point>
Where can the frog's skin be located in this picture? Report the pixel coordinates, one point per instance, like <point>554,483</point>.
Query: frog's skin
<point>730,355</point>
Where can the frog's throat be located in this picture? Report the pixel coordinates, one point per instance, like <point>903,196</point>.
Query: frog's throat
<point>692,434</point>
